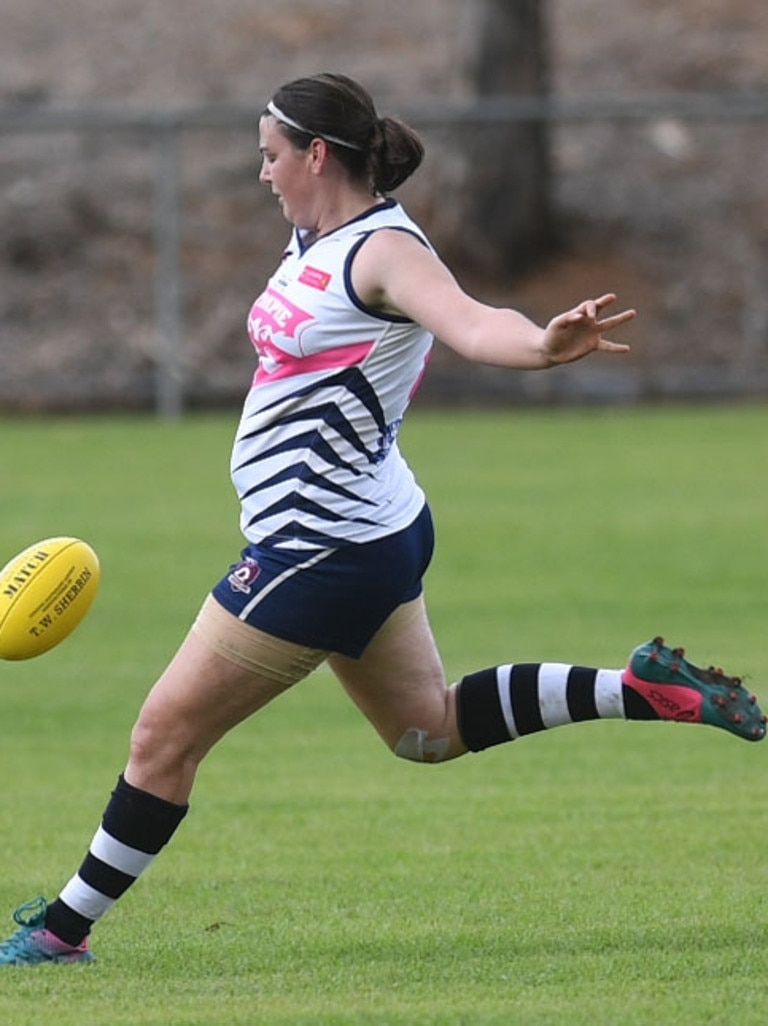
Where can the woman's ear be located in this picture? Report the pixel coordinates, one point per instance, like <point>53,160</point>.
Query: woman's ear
<point>318,153</point>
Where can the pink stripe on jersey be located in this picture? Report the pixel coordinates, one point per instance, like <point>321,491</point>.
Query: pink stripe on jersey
<point>279,364</point>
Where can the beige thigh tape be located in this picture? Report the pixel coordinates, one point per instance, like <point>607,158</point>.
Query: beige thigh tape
<point>261,653</point>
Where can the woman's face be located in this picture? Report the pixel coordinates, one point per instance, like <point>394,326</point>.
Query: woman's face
<point>287,170</point>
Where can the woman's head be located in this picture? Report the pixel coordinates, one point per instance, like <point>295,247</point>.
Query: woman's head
<point>382,151</point>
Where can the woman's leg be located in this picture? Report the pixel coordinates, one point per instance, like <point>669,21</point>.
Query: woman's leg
<point>198,699</point>
<point>224,671</point>
<point>399,684</point>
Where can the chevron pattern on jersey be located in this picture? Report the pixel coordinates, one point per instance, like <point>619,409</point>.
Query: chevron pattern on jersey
<point>315,460</point>
<point>302,490</point>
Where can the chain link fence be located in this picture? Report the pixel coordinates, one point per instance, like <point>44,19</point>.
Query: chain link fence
<point>134,243</point>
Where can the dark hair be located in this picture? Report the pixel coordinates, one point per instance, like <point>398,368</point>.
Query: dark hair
<point>385,151</point>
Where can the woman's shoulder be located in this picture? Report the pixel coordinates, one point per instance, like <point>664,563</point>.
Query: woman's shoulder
<point>391,214</point>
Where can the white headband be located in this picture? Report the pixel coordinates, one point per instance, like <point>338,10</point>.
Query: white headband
<point>277,113</point>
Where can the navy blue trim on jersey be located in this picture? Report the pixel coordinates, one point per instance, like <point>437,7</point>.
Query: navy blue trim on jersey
<point>306,243</point>
<point>356,301</point>
<point>333,599</point>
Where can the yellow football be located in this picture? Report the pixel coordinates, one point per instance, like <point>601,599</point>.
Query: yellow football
<point>45,592</point>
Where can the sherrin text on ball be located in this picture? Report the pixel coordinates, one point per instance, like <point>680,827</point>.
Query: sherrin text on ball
<point>45,592</point>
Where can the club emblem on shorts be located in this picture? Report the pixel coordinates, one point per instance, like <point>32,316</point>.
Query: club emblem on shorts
<point>243,575</point>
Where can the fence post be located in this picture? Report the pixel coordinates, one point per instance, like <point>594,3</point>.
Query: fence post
<point>169,391</point>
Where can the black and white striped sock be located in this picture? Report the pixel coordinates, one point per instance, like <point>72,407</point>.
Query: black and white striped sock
<point>135,826</point>
<point>506,702</point>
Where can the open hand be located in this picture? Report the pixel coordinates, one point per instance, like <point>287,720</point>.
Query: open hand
<point>579,332</point>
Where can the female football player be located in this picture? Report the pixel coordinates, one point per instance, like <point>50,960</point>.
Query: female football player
<point>337,530</point>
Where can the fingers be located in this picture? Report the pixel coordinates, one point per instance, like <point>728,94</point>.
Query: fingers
<point>619,318</point>
<point>589,308</point>
<point>592,307</point>
<point>588,311</point>
<point>606,346</point>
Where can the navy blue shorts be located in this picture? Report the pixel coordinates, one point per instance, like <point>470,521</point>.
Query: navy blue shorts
<point>330,599</point>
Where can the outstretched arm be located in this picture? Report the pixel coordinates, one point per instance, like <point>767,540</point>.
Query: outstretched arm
<point>395,271</point>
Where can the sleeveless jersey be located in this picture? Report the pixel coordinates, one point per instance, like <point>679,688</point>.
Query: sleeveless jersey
<point>315,462</point>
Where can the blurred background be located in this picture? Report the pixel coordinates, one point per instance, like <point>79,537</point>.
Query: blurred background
<point>574,147</point>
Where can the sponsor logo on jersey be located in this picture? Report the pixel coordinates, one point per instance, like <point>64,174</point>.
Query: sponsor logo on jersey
<point>315,278</point>
<point>273,314</point>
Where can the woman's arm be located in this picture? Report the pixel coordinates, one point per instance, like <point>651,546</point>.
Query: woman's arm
<point>395,271</point>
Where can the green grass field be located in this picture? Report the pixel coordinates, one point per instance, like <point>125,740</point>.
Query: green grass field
<point>608,873</point>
